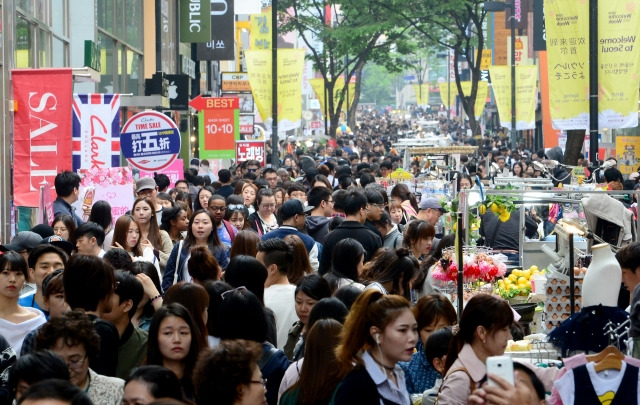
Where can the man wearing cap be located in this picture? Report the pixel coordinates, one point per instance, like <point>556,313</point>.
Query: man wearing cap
<point>147,187</point>
<point>43,260</point>
<point>22,243</point>
<point>292,216</point>
<point>430,210</point>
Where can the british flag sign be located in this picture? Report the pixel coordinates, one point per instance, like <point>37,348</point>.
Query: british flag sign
<point>96,131</point>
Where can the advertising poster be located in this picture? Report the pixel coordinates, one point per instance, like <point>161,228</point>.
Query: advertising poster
<point>113,185</point>
<point>318,88</point>
<point>175,172</point>
<point>422,93</point>
<point>260,31</point>
<point>41,130</point>
<point>218,127</point>
<point>250,150</point>
<point>150,141</point>
<point>481,96</point>
<point>96,131</point>
<point>628,153</point>
<point>526,95</point>
<point>45,206</point>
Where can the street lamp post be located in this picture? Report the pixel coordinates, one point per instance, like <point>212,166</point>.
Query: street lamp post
<point>492,6</point>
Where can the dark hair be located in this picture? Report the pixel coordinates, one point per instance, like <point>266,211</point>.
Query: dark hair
<point>168,215</point>
<point>348,295</point>
<point>241,316</point>
<point>416,230</point>
<point>263,192</point>
<point>52,284</point>
<point>161,382</point>
<point>355,201</point>
<point>224,175</point>
<point>185,198</point>
<point>433,307</point>
<point>481,310</point>
<point>165,197</point>
<point>327,308</point>
<point>223,370</point>
<point>247,271</point>
<point>322,179</point>
<point>402,191</point>
<point>214,240</point>
<point>319,374</point>
<point>339,200</point>
<point>438,344</point>
<point>196,204</point>
<point>372,308</point>
<point>195,299</point>
<point>142,267</point>
<point>162,180</point>
<point>395,268</point>
<point>215,290</point>
<point>68,222</point>
<point>245,243</point>
<point>203,264</point>
<point>313,286</point>
<point>154,356</point>
<point>101,214</point>
<point>129,288</point>
<point>118,258</point>
<point>276,251</point>
<point>629,256</point>
<point>335,222</point>
<point>538,386</point>
<point>65,182</point>
<point>346,181</point>
<point>40,250</point>
<point>92,229</point>
<point>345,257</point>
<point>121,230</point>
<point>366,179</point>
<point>74,328</point>
<point>87,281</point>
<point>316,195</point>
<point>56,389</point>
<point>300,265</point>
<point>38,366</point>
<point>154,230</point>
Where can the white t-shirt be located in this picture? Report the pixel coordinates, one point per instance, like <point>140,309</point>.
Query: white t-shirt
<point>15,332</point>
<point>605,383</point>
<point>280,298</point>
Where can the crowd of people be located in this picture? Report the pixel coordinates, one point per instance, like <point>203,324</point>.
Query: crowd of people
<point>306,283</point>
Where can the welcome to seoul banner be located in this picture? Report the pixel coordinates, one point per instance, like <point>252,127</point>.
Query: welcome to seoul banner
<point>567,25</point>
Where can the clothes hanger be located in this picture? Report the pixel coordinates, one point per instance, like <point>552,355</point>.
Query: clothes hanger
<point>610,362</point>
<point>598,357</point>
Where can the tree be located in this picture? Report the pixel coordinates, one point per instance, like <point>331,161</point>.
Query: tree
<point>377,85</point>
<point>361,30</point>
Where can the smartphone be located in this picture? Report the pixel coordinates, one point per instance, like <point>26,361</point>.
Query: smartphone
<point>501,366</point>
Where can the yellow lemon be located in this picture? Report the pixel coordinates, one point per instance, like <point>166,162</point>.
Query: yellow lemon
<point>516,272</point>
<point>526,274</point>
<point>482,209</point>
<point>533,268</point>
<point>505,217</point>
<point>513,287</point>
<point>522,280</point>
<point>494,208</point>
<point>528,284</point>
<point>512,278</point>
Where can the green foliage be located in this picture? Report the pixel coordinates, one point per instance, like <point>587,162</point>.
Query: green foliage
<point>378,85</point>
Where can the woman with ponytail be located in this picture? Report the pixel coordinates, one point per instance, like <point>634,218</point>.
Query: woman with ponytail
<point>483,332</point>
<point>379,332</point>
<point>392,272</point>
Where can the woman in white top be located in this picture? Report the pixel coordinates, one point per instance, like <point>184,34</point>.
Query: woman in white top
<point>15,321</point>
<point>126,235</point>
<point>144,213</point>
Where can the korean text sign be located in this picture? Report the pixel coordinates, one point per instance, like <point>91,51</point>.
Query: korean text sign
<point>250,150</point>
<point>150,141</point>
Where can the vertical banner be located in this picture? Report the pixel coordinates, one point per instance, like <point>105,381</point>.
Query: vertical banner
<point>550,135</point>
<point>481,94</point>
<point>260,31</point>
<point>42,130</point>
<point>113,185</point>
<point>195,21</point>
<point>567,29</point>
<point>628,153</point>
<point>619,63</point>
<point>222,43</point>
<point>422,93</point>
<point>526,77</point>
<point>290,67</point>
<point>318,88</point>
<point>96,131</point>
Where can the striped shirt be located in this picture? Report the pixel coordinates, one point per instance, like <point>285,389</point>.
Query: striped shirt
<point>387,388</point>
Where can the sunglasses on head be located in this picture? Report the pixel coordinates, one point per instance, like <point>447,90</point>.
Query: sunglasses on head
<point>236,207</point>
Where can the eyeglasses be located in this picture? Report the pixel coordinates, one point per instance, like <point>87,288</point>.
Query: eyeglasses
<point>224,294</point>
<point>216,209</point>
<point>75,363</point>
<point>381,206</point>
<point>265,206</point>
<point>262,381</point>
<point>236,207</point>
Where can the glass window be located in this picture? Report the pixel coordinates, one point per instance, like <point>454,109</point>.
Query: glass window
<point>107,63</point>
<point>44,48</point>
<point>120,13</point>
<point>25,6</point>
<point>133,16</point>
<point>106,15</point>
<point>43,11</point>
<point>60,53</point>
<point>134,72</point>
<point>59,16</point>
<point>121,68</point>
<point>24,42</point>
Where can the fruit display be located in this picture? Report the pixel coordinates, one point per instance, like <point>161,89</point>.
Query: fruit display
<point>518,283</point>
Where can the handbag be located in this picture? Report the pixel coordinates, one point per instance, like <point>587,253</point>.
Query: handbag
<point>175,274</point>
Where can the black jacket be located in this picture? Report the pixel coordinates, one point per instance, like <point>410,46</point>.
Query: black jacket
<point>359,388</point>
<point>348,229</point>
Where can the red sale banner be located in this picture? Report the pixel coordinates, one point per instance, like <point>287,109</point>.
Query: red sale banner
<point>250,150</point>
<point>42,130</point>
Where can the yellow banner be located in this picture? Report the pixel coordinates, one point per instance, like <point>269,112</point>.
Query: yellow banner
<point>485,62</point>
<point>318,87</point>
<point>481,96</point>
<point>618,63</point>
<point>567,24</point>
<point>260,31</point>
<point>526,77</point>
<point>422,97</point>
<point>290,67</point>
<point>627,153</point>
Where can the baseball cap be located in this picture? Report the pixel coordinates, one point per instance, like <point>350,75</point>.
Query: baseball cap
<point>634,176</point>
<point>430,203</point>
<point>293,207</point>
<point>25,240</point>
<point>145,183</point>
<point>58,241</point>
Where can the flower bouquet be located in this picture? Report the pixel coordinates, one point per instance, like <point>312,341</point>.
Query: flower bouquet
<point>480,264</point>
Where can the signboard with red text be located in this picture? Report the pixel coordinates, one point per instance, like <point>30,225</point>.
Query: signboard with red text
<point>219,126</point>
<point>250,150</point>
